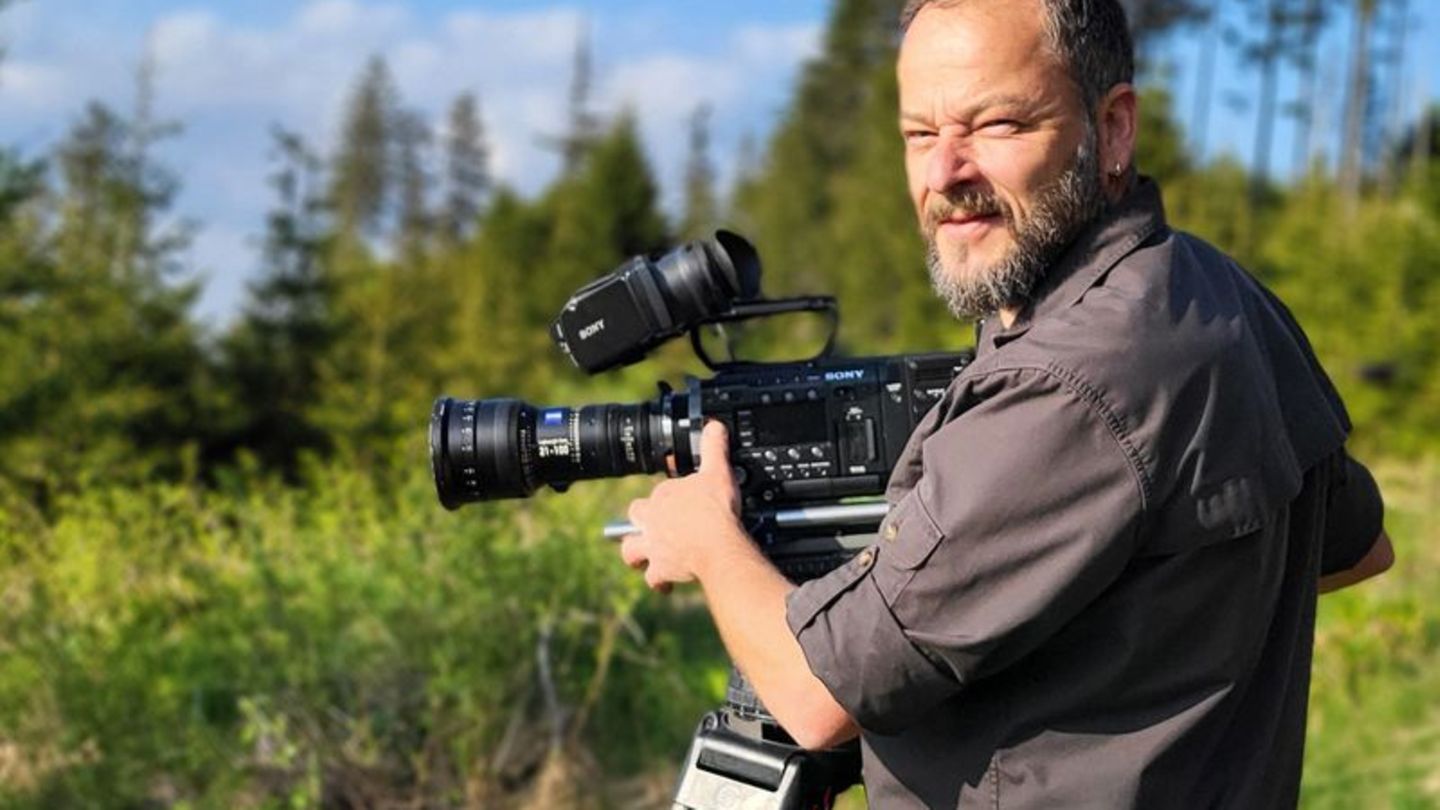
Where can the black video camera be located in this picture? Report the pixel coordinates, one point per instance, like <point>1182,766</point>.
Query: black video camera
<point>803,436</point>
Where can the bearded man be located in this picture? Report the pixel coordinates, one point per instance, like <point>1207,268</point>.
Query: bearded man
<point>1096,583</point>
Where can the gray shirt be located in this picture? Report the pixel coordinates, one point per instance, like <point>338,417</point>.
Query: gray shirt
<point>1096,584</point>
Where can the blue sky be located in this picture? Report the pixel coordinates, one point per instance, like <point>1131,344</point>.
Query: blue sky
<point>229,70</point>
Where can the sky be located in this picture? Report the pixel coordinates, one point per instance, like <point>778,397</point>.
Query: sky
<point>229,71</point>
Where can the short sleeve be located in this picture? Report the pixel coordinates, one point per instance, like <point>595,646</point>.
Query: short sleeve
<point>1026,509</point>
<point>1354,517</point>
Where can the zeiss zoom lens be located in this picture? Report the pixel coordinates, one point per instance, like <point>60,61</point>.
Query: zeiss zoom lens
<point>491,449</point>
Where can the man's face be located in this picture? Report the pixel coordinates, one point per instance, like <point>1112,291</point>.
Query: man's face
<point>999,151</point>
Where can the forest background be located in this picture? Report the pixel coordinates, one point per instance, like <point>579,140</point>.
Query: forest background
<point>224,577</point>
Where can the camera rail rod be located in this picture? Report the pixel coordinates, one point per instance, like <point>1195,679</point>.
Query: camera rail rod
<point>800,517</point>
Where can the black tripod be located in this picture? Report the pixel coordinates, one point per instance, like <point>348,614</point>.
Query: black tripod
<point>740,758</point>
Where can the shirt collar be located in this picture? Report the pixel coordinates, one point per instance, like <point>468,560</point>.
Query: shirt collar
<point>1124,226</point>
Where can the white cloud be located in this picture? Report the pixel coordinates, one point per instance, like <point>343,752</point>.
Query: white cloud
<point>229,82</point>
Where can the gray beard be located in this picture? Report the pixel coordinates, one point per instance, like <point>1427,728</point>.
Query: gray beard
<point>1061,211</point>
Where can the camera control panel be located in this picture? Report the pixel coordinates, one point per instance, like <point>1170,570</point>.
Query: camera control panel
<point>824,430</point>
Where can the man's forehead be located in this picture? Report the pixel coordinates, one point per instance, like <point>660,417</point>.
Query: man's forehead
<point>975,48</point>
<point>1018,16</point>
<point>974,32</point>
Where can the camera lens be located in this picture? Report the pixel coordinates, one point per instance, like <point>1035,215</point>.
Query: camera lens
<point>704,277</point>
<point>492,449</point>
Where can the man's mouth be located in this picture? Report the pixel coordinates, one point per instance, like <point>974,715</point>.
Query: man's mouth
<point>967,225</point>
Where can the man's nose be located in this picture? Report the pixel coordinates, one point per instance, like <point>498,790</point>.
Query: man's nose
<point>951,164</point>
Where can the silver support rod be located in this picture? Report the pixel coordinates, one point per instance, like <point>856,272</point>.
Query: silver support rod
<point>803,517</point>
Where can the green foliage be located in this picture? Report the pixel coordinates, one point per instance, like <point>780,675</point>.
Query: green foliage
<point>340,641</point>
<point>271,360</point>
<point>224,581</point>
<point>102,364</point>
<point>1374,734</point>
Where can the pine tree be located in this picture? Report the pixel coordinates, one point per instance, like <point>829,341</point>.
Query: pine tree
<point>701,212</point>
<point>1352,152</point>
<point>497,336</point>
<point>3,4</point>
<point>605,213</point>
<point>363,172</point>
<point>414,220</point>
<point>871,246</point>
<point>583,127</point>
<point>102,369</point>
<point>467,169</point>
<point>1151,20</point>
<point>784,208</point>
<point>271,360</point>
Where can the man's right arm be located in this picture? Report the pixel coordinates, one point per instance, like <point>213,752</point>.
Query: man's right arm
<point>1356,547</point>
<point>1375,562</point>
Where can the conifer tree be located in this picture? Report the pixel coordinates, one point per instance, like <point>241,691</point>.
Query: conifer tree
<point>583,127</point>
<point>605,213</point>
<point>701,213</point>
<point>498,330</point>
<point>414,220</point>
<point>1150,20</point>
<point>786,206</point>
<point>871,244</point>
<point>362,180</point>
<point>1352,150</point>
<point>102,371</point>
<point>271,361</point>
<point>467,168</point>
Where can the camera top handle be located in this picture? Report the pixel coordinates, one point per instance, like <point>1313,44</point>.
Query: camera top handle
<point>765,308</point>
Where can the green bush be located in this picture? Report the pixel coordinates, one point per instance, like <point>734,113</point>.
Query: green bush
<point>346,641</point>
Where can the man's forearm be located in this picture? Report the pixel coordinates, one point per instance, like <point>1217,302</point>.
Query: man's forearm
<point>746,596</point>
<point>1375,562</point>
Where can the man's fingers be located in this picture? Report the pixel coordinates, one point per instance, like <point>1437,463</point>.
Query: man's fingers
<point>656,582</point>
<point>632,551</point>
<point>715,447</point>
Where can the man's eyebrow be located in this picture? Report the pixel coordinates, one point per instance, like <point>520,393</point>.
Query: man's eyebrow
<point>972,109</point>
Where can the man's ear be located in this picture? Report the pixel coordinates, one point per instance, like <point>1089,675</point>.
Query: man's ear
<point>1117,116</point>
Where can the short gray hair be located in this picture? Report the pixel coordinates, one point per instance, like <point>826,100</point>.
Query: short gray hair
<point>1090,38</point>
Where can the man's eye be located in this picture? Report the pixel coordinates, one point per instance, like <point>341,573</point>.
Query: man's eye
<point>1001,126</point>
<point>918,136</point>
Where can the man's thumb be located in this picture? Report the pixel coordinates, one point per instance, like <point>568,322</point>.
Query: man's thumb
<point>714,447</point>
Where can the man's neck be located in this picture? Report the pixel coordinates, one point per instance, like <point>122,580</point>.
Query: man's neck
<point>1008,316</point>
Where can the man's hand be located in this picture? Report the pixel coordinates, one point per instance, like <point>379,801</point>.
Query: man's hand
<point>685,521</point>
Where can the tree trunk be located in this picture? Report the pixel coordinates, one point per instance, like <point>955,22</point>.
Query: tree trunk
<point>1265,116</point>
<point>1352,152</point>
<point>1204,96</point>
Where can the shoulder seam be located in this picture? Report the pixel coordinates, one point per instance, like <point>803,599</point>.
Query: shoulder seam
<point>1096,402</point>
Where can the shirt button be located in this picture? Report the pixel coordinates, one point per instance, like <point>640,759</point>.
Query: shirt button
<point>891,531</point>
<point>866,557</point>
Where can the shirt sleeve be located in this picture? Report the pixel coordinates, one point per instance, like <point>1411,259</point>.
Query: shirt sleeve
<point>1354,517</point>
<point>1026,509</point>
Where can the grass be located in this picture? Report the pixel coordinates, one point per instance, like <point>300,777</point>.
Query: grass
<point>1374,737</point>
